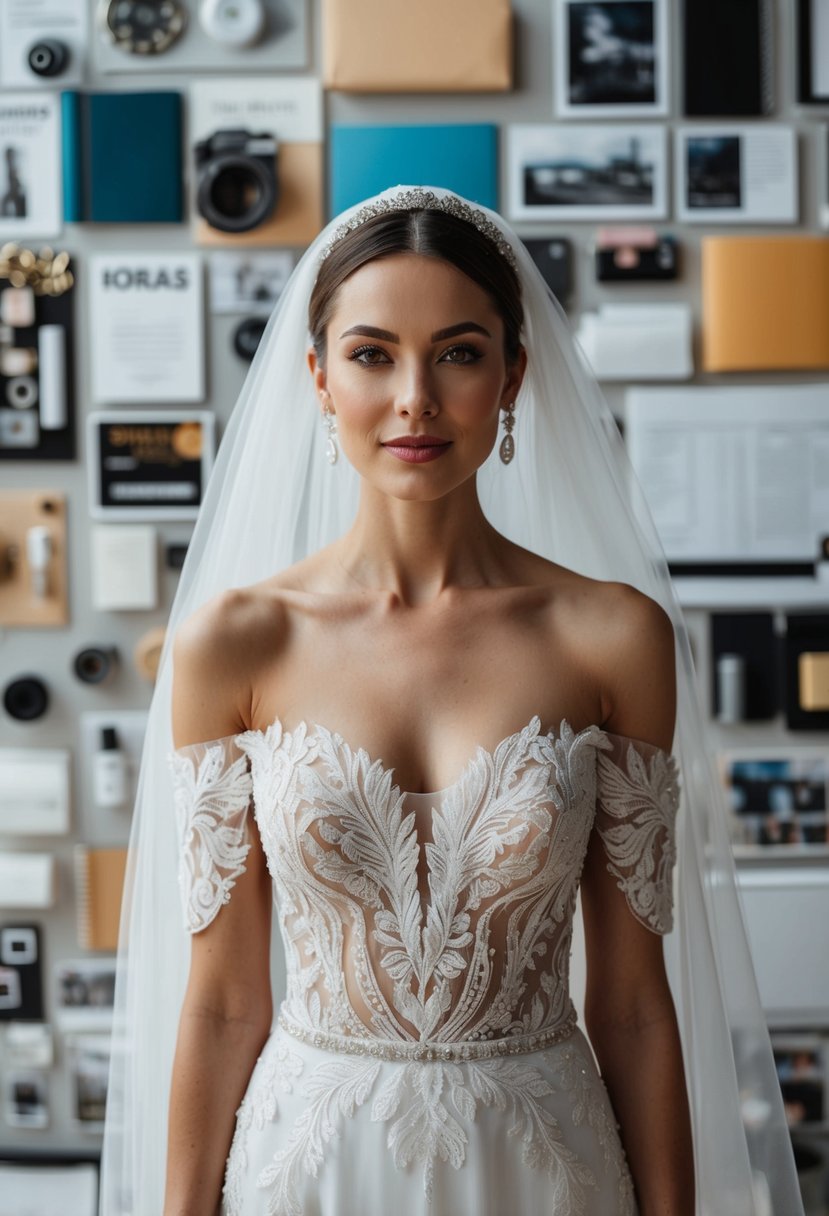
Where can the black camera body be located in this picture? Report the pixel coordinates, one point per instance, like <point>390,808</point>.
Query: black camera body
<point>237,183</point>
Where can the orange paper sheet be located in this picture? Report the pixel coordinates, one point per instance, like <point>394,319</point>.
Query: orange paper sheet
<point>765,303</point>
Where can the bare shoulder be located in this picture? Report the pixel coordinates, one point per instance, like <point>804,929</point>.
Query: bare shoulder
<point>638,653</point>
<point>212,662</point>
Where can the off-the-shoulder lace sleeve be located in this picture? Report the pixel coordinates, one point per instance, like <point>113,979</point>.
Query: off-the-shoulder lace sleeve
<point>213,788</point>
<point>637,798</point>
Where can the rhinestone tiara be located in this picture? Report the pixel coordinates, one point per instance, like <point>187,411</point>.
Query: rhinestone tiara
<point>406,200</point>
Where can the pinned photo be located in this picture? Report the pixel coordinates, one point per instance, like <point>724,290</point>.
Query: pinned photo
<point>586,172</point>
<point>780,799</point>
<point>737,174</point>
<point>27,1099</point>
<point>610,57</point>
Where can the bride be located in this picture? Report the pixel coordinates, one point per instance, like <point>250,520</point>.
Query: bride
<point>423,684</point>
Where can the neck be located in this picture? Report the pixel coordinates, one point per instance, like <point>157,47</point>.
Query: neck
<point>416,551</point>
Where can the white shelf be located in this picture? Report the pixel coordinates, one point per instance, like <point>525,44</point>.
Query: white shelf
<point>725,593</point>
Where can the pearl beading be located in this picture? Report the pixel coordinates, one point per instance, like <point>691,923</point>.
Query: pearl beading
<point>387,1049</point>
<point>418,197</point>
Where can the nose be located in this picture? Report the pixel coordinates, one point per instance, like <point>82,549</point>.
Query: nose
<point>416,392</point>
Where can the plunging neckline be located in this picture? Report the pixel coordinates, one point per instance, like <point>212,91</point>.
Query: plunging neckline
<point>312,729</point>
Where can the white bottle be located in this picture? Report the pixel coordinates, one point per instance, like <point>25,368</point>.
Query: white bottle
<point>109,771</point>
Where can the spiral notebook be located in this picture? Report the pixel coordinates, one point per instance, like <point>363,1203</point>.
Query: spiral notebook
<point>99,882</point>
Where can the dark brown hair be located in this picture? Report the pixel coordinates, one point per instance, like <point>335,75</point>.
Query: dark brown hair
<point>433,233</point>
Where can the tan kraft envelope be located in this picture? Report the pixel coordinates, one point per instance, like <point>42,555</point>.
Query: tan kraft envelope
<point>765,303</point>
<point>417,46</point>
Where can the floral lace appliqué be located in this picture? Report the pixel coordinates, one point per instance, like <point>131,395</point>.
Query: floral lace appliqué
<point>429,1107</point>
<point>211,797</point>
<point>637,803</point>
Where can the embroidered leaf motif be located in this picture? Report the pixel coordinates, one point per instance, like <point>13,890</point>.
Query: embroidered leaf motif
<point>211,798</point>
<point>637,805</point>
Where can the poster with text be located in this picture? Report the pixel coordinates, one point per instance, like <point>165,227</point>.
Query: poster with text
<point>147,318</point>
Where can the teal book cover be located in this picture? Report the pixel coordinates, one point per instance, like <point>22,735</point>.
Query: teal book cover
<point>367,159</point>
<point>122,157</point>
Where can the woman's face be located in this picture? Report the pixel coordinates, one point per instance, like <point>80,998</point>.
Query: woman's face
<point>414,347</point>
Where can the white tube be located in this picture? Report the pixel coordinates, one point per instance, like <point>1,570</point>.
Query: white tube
<point>51,347</point>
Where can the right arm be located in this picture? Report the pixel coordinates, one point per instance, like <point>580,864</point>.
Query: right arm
<point>227,1009</point>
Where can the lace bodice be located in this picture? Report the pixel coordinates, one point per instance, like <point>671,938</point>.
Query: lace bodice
<point>437,916</point>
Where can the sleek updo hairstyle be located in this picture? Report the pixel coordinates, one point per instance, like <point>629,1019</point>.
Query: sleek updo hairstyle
<point>426,231</point>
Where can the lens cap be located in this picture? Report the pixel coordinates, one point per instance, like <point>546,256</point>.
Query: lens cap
<point>248,335</point>
<point>26,698</point>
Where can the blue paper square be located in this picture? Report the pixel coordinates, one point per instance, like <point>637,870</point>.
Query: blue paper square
<point>367,159</point>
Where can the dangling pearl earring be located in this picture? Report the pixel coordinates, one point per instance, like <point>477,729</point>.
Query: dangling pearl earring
<point>331,449</point>
<point>507,448</point>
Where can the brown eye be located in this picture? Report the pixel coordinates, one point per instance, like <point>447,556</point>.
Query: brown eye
<point>366,356</point>
<point>462,353</point>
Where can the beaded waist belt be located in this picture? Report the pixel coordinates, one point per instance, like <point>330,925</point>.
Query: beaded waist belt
<point>402,1049</point>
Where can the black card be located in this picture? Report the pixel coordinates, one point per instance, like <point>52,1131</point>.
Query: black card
<point>21,986</point>
<point>727,51</point>
<point>554,258</point>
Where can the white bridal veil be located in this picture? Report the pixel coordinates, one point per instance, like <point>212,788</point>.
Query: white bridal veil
<point>568,494</point>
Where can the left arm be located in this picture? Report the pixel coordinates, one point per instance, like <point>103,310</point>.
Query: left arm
<point>629,1011</point>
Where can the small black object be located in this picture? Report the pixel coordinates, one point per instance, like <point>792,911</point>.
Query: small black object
<point>752,636</point>
<point>554,258</point>
<point>248,335</point>
<point>631,264</point>
<point>26,698</point>
<point>49,57</point>
<point>237,183</point>
<point>93,664</point>
<point>21,988</point>
<point>109,739</point>
<point>175,555</point>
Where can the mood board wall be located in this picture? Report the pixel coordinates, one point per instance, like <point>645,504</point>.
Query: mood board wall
<point>140,340</point>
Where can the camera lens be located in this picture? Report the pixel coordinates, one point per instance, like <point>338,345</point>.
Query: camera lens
<point>248,335</point>
<point>26,698</point>
<point>92,664</point>
<point>237,191</point>
<point>49,57</point>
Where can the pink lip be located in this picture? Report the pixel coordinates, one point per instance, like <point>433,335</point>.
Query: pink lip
<point>417,453</point>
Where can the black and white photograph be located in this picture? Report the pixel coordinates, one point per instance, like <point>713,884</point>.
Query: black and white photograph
<point>89,1077</point>
<point>250,282</point>
<point>737,174</point>
<point>610,58</point>
<point>26,1098</point>
<point>801,1061</point>
<point>780,799</point>
<point>560,171</point>
<point>13,193</point>
<point>31,202</point>
<point>84,992</point>
<point>714,179</point>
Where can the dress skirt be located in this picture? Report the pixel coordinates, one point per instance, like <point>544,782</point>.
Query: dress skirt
<point>321,1132</point>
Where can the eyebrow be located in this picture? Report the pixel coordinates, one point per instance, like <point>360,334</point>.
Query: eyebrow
<point>464,327</point>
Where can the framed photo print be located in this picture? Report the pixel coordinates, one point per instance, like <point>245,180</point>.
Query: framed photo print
<point>560,171</point>
<point>610,58</point>
<point>742,174</point>
<point>779,800</point>
<point>813,52</point>
<point>85,992</point>
<point>149,464</point>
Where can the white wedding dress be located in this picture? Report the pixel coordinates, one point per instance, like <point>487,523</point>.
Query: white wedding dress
<point>426,1057</point>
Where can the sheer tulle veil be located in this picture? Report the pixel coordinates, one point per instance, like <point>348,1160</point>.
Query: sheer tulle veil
<point>569,494</point>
